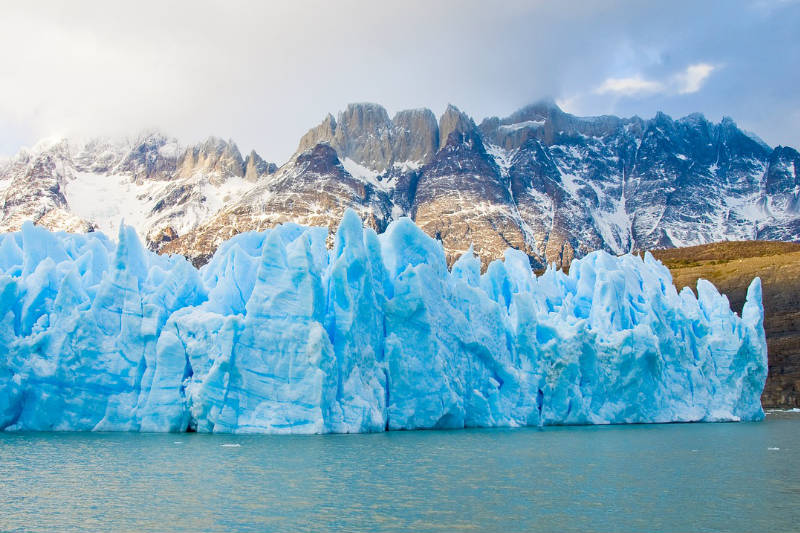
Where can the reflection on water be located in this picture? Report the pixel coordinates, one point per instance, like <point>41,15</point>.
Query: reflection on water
<point>735,477</point>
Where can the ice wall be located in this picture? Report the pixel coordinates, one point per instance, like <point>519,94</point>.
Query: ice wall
<point>278,334</point>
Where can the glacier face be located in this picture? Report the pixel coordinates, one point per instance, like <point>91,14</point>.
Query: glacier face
<point>279,334</point>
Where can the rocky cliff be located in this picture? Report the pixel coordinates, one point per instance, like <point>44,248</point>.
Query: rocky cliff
<point>541,180</point>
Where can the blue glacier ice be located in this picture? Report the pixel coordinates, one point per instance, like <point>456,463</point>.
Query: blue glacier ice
<point>280,334</point>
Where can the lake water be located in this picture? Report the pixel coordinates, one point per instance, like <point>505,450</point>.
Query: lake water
<point>689,477</point>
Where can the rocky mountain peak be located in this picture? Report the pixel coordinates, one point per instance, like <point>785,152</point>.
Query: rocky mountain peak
<point>546,122</point>
<point>362,118</point>
<point>323,132</point>
<point>364,133</point>
<point>416,136</point>
<point>741,143</point>
<point>541,180</point>
<point>545,109</point>
<point>662,119</point>
<point>531,122</point>
<point>783,174</point>
<point>455,123</point>
<point>214,157</point>
<point>255,167</point>
<point>321,159</point>
<point>152,156</point>
<point>695,120</point>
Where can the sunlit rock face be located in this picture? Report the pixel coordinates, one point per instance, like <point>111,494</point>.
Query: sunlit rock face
<point>280,333</point>
<point>553,185</point>
<point>364,134</point>
<point>545,182</point>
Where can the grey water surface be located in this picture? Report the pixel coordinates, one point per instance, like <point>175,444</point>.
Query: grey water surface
<point>687,477</point>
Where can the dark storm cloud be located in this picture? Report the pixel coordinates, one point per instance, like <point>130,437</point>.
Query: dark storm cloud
<point>263,72</point>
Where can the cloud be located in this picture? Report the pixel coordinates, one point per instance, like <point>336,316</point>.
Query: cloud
<point>694,78</point>
<point>632,86</point>
<point>262,73</point>
<point>687,81</point>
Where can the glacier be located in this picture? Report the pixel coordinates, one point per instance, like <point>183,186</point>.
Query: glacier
<point>281,333</point>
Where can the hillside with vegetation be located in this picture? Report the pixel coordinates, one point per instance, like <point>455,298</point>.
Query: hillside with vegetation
<point>731,266</point>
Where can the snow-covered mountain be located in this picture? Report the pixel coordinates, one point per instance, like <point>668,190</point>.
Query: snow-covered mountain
<point>541,180</point>
<point>152,183</point>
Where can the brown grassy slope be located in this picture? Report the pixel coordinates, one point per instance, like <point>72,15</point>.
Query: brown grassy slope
<point>731,266</point>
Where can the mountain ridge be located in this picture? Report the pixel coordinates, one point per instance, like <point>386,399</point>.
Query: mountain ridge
<point>541,180</point>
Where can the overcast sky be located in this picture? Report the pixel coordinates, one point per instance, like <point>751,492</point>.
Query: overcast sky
<point>262,73</point>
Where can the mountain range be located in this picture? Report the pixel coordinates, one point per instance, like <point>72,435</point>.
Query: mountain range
<point>541,180</point>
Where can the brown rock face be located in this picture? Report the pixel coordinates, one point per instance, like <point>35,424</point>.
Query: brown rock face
<point>313,189</point>
<point>731,266</point>
<point>362,132</point>
<point>323,133</point>
<point>36,194</point>
<point>214,158</point>
<point>255,167</point>
<point>454,121</point>
<point>462,200</point>
<point>549,215</point>
<point>158,239</point>
<point>555,185</point>
<point>365,134</point>
<point>416,135</point>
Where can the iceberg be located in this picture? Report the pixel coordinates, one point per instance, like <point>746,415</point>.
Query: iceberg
<point>280,333</point>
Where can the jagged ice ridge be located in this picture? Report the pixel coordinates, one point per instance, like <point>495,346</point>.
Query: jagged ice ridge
<point>278,334</point>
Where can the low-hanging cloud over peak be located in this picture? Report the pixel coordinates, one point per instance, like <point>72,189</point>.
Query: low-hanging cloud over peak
<point>688,81</point>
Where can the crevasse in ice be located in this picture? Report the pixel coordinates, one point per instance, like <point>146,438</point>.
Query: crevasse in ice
<point>278,334</point>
